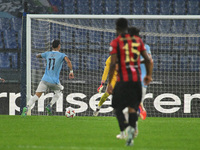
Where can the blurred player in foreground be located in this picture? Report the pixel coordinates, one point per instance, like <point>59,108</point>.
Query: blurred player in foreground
<point>125,51</point>
<point>103,80</point>
<point>132,31</point>
<point>50,79</point>
<point>142,112</point>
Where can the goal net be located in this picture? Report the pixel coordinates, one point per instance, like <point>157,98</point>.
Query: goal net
<point>85,39</point>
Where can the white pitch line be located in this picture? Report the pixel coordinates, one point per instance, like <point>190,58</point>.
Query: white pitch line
<point>65,147</point>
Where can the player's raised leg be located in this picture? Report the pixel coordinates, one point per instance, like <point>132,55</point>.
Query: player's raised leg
<point>56,96</point>
<point>133,117</point>
<point>107,93</point>
<point>42,87</point>
<point>126,115</point>
<point>142,110</point>
<point>30,103</point>
<point>102,100</point>
<point>130,136</point>
<point>123,134</point>
<point>123,124</point>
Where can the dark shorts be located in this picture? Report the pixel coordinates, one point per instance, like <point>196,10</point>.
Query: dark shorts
<point>127,94</point>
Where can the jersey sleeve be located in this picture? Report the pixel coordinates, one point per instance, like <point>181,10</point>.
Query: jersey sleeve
<point>113,47</point>
<point>64,55</point>
<point>148,49</point>
<point>44,54</point>
<point>106,69</point>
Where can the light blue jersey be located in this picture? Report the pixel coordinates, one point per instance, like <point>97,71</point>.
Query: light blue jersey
<point>142,66</point>
<point>54,64</point>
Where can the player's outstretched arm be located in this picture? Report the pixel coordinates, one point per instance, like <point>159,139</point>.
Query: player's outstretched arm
<point>105,74</point>
<point>1,79</point>
<point>112,70</point>
<point>143,61</point>
<point>39,56</point>
<point>149,67</point>
<point>103,80</point>
<point>69,64</point>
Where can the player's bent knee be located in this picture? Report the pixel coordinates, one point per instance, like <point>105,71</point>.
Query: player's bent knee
<point>62,88</point>
<point>38,94</point>
<point>58,93</point>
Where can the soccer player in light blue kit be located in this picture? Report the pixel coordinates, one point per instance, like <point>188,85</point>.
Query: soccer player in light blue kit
<point>144,87</point>
<point>50,79</point>
<point>135,31</point>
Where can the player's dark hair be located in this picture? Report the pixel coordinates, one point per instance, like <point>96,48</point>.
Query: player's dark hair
<point>121,24</point>
<point>134,31</point>
<point>55,43</point>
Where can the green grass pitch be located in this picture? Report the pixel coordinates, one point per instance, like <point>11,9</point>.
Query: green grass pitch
<point>95,133</point>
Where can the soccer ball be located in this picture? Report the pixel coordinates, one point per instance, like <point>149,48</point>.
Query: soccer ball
<point>70,113</point>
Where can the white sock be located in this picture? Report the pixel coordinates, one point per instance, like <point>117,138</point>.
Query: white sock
<point>32,101</point>
<point>55,97</point>
<point>126,114</point>
<point>122,133</point>
<point>98,107</point>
